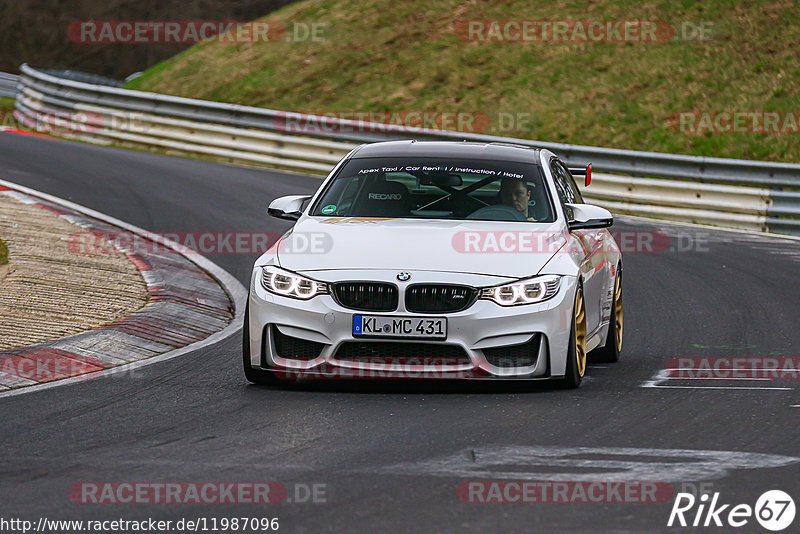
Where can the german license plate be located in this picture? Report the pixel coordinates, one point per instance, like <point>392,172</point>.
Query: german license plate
<point>416,327</point>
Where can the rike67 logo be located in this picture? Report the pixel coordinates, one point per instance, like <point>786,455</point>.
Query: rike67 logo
<point>774,510</point>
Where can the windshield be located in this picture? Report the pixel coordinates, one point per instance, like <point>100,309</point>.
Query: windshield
<point>437,188</point>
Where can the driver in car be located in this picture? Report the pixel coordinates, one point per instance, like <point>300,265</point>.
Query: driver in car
<point>515,193</point>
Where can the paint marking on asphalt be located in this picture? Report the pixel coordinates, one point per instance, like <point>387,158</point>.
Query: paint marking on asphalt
<point>673,370</point>
<point>616,464</point>
<point>717,387</point>
<point>660,379</point>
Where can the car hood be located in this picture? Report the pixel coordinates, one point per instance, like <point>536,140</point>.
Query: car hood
<point>506,249</point>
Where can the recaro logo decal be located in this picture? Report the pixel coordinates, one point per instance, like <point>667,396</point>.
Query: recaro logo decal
<point>385,196</point>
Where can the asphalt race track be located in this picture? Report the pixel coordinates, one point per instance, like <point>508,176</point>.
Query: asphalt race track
<point>391,455</point>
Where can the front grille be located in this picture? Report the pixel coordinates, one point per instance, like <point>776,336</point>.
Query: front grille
<point>294,348</point>
<point>366,296</point>
<point>439,298</point>
<point>402,353</point>
<point>523,355</point>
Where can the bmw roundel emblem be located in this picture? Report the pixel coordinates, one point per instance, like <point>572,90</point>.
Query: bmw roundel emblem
<point>403,276</point>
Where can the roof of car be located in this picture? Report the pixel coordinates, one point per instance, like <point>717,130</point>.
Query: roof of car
<point>449,149</point>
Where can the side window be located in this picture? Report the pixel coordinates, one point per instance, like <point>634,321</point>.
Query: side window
<point>342,194</point>
<point>568,191</point>
<point>350,192</point>
<point>573,186</point>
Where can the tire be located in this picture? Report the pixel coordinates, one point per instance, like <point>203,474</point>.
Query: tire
<point>576,353</point>
<point>611,350</point>
<point>256,376</point>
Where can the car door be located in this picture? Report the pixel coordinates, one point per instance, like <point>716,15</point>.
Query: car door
<point>593,265</point>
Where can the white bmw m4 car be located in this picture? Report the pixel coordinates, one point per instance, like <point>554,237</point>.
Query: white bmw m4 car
<point>437,260</point>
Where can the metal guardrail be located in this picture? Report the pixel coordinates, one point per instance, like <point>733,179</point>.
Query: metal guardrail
<point>713,204</point>
<point>745,194</point>
<point>85,77</point>
<point>8,84</point>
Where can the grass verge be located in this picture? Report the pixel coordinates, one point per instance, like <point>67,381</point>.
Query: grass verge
<point>381,55</point>
<point>6,104</point>
<point>3,253</point>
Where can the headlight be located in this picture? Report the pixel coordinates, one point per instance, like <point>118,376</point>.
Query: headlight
<point>527,291</point>
<point>289,284</point>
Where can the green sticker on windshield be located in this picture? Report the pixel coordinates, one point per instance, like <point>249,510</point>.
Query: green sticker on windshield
<point>327,210</point>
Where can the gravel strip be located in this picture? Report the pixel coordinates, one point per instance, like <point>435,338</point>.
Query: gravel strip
<point>50,291</point>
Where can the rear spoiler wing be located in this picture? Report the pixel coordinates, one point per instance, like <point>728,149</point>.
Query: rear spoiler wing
<point>583,171</point>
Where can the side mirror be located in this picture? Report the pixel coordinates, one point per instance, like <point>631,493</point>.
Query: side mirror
<point>587,216</point>
<point>289,208</point>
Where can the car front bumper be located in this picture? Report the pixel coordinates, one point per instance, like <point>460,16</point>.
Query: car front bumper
<point>484,341</point>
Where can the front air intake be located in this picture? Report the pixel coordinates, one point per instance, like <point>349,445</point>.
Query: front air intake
<point>439,298</point>
<point>366,296</point>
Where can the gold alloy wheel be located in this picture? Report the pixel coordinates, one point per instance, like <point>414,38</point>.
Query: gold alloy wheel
<point>580,333</point>
<point>618,311</point>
